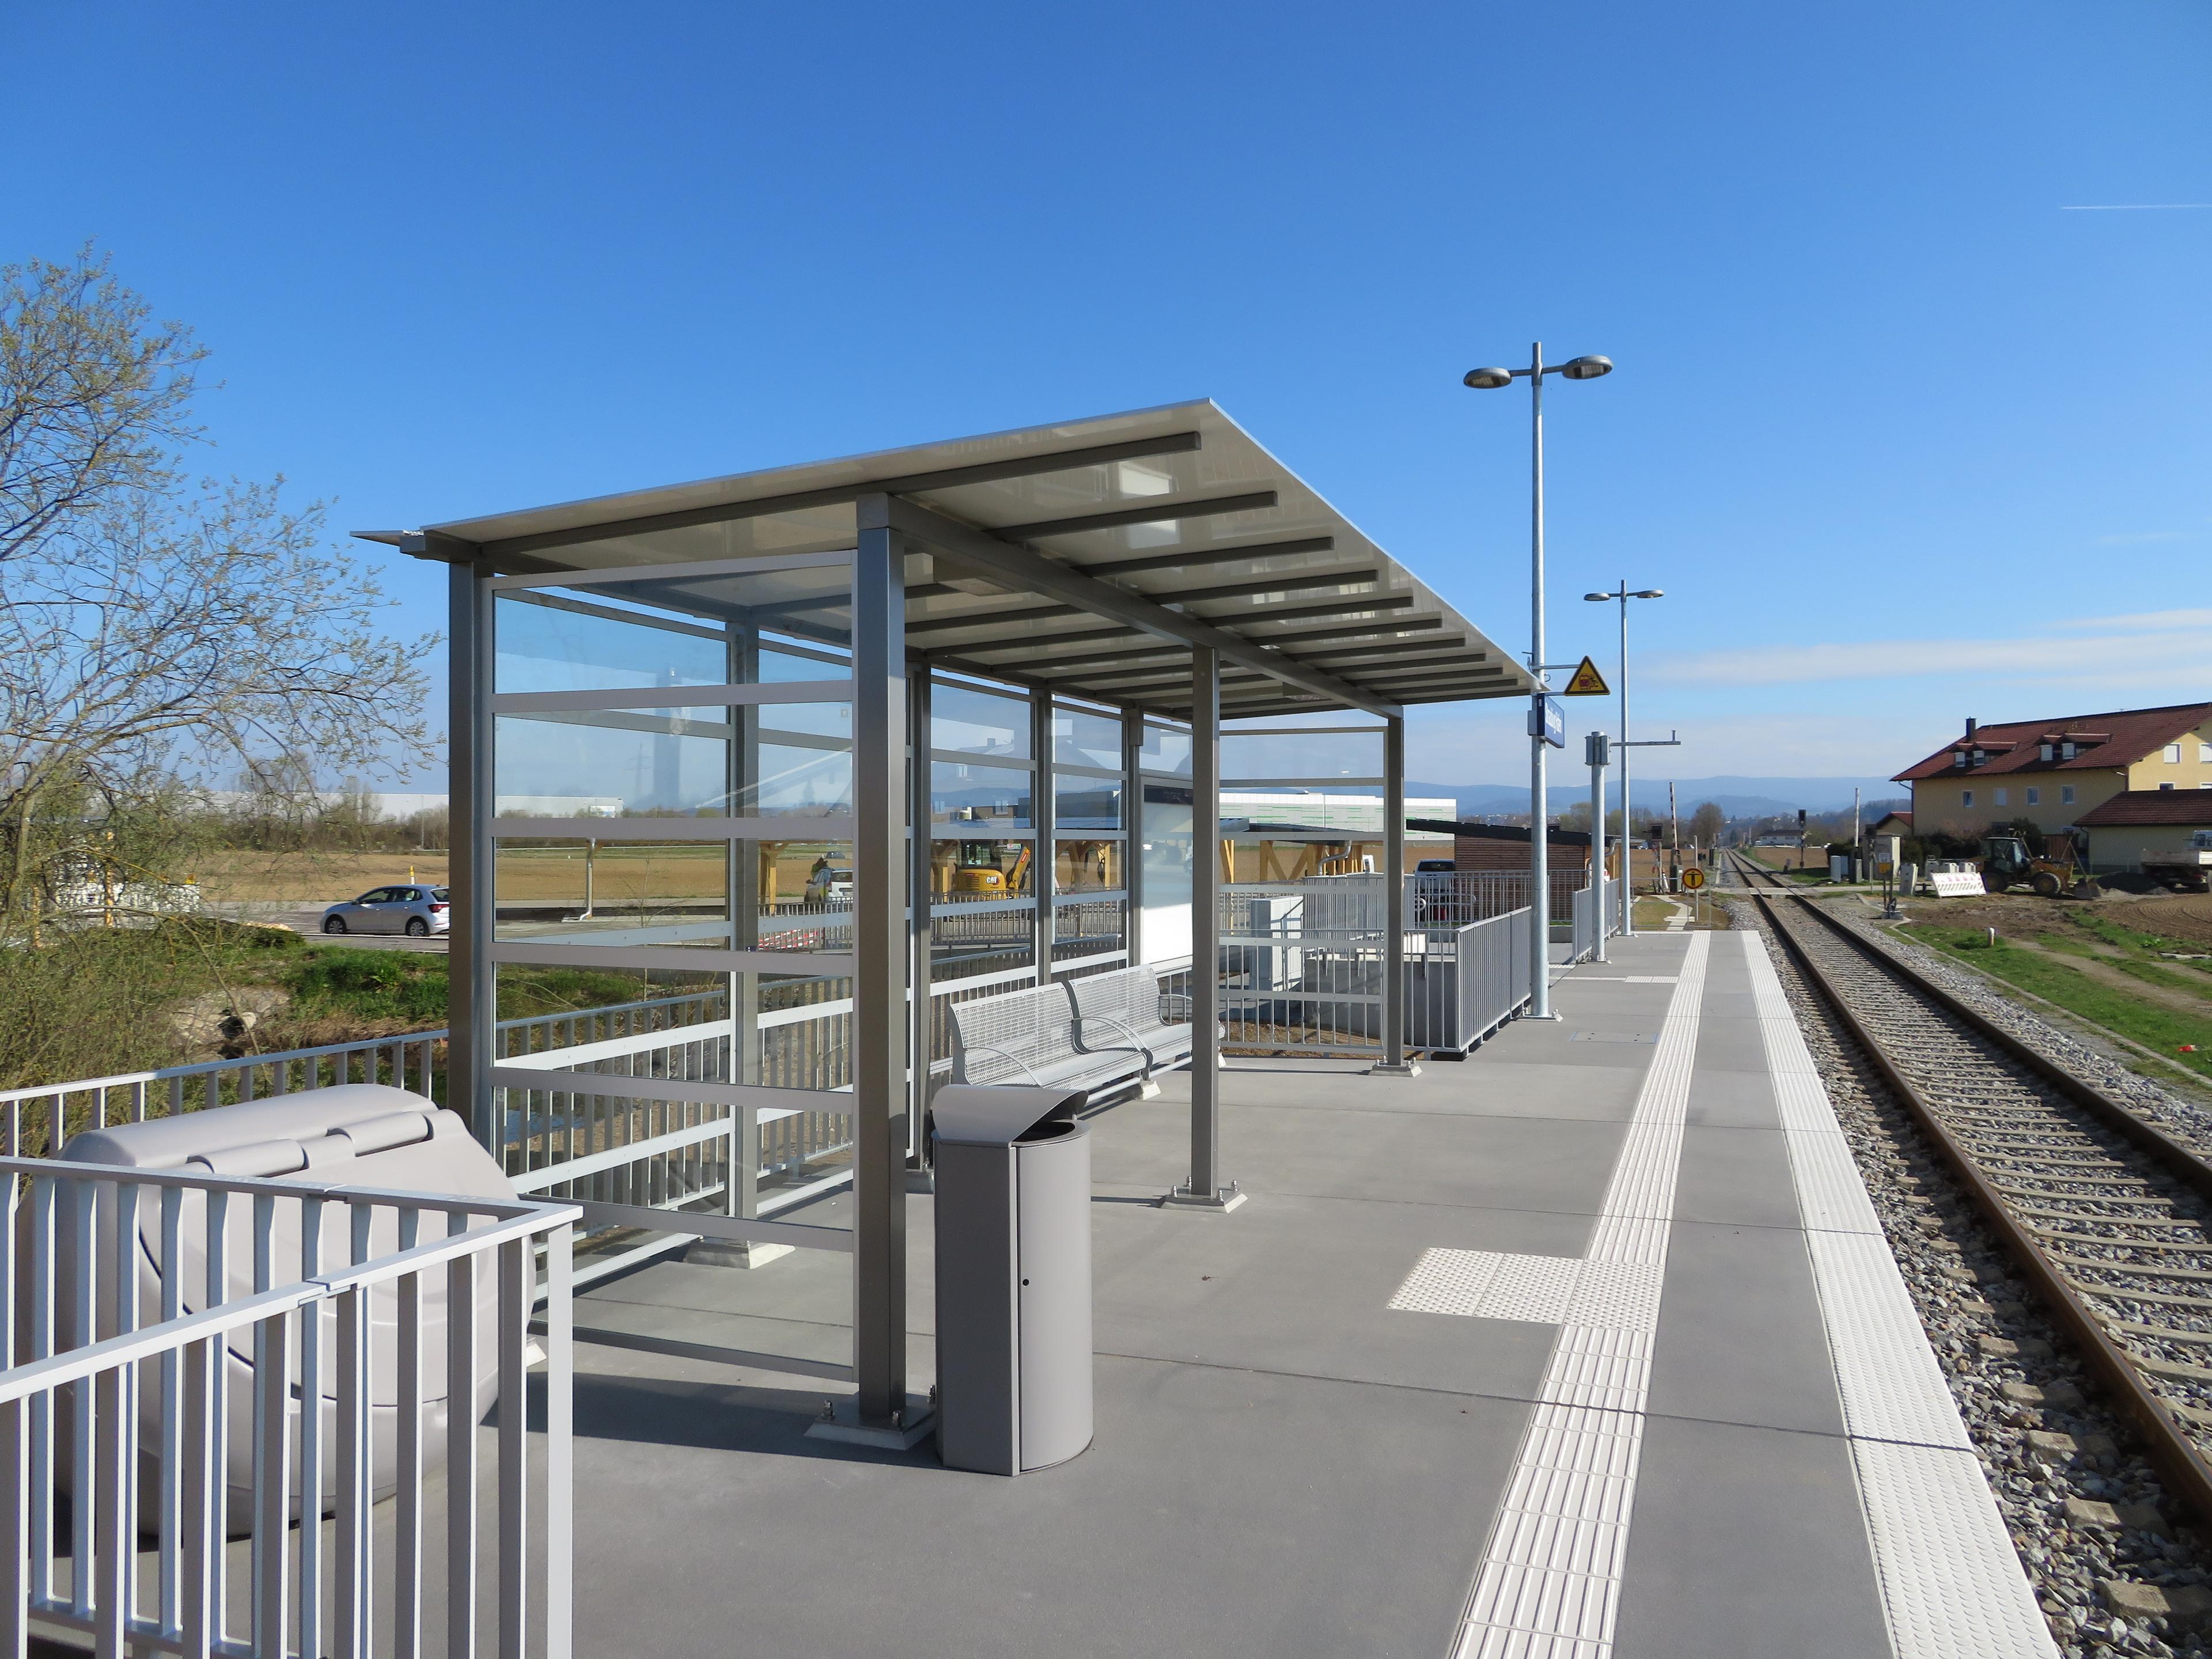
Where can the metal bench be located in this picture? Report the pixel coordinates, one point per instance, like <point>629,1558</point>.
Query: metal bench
<point>1030,1036</point>
<point>1123,1008</point>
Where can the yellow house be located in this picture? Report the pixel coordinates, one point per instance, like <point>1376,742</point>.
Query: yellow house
<point>2051,772</point>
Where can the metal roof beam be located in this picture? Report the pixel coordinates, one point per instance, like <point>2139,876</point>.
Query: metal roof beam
<point>1352,631</point>
<point>1118,638</point>
<point>986,552</point>
<point>1190,558</point>
<point>1160,510</point>
<point>950,477</point>
<point>1391,649</point>
<point>1355,605</point>
<point>986,618</point>
<point>1303,582</point>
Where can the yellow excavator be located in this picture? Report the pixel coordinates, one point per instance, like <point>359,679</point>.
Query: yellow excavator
<point>2006,862</point>
<point>979,870</point>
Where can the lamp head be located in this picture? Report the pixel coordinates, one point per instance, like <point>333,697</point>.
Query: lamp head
<point>1650,593</point>
<point>1487,380</point>
<point>1601,597</point>
<point>1587,368</point>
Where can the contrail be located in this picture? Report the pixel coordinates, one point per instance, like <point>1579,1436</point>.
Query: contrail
<point>2133,206</point>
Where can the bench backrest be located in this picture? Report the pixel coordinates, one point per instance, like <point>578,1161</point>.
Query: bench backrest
<point>996,1036</point>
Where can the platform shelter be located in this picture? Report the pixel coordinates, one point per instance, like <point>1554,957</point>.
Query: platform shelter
<point>851,728</point>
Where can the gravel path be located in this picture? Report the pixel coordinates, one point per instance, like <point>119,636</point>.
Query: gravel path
<point>2090,1519</point>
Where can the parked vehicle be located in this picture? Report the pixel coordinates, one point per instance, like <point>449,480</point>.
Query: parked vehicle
<point>410,908</point>
<point>2187,869</point>
<point>2006,862</point>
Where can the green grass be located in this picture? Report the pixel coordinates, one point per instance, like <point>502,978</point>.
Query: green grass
<point>2155,1027</point>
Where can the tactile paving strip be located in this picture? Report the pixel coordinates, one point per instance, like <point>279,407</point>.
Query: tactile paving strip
<point>1952,1585</point>
<point>1549,1584</point>
<point>1545,1290</point>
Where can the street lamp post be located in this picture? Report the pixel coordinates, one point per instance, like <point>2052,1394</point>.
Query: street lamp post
<point>1627,805</point>
<point>1539,870</point>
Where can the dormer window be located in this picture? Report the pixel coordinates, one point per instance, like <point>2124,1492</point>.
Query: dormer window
<point>2070,750</point>
<point>1979,756</point>
<point>2046,751</point>
<point>1958,757</point>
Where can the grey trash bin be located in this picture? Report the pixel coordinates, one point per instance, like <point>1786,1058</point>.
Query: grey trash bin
<point>1013,1277</point>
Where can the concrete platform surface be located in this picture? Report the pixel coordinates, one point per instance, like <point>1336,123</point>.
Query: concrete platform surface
<point>1536,1353</point>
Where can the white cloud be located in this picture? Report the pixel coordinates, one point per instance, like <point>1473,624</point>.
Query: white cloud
<point>2143,619</point>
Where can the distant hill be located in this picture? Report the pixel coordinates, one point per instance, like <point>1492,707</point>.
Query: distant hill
<point>1738,797</point>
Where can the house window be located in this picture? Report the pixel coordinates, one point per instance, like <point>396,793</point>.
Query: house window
<point>2173,754</point>
<point>1958,757</point>
<point>2067,751</point>
<point>2165,786</point>
<point>2204,754</point>
<point>2065,794</point>
<point>2035,798</point>
<point>1965,798</point>
<point>2044,751</point>
<point>2004,797</point>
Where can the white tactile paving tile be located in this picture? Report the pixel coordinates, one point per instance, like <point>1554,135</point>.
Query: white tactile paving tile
<point>1952,1585</point>
<point>1549,1584</point>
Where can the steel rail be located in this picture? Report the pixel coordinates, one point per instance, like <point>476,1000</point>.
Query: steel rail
<point>2172,1452</point>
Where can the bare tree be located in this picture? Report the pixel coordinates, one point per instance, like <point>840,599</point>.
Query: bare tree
<point>93,401</point>
<point>1706,824</point>
<point>153,632</point>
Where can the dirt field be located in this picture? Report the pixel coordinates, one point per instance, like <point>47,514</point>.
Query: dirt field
<point>2184,916</point>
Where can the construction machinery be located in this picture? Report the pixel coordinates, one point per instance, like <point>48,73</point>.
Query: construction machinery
<point>2006,862</point>
<point>979,871</point>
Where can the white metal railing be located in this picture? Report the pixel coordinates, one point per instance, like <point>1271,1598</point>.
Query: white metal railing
<point>162,1330</point>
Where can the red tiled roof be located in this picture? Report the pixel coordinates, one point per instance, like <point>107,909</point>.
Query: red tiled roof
<point>2123,738</point>
<point>2154,806</point>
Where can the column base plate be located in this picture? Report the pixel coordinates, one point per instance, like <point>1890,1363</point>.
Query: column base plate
<point>915,1425</point>
<point>1219,1202</point>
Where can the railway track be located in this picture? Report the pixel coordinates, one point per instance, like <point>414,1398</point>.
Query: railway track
<point>2107,1214</point>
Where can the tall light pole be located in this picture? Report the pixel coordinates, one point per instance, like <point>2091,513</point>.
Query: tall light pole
<point>1540,868</point>
<point>1627,805</point>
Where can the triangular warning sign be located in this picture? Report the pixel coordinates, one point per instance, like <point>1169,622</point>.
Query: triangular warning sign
<point>1587,681</point>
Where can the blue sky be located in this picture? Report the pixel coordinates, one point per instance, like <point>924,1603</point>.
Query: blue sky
<point>1903,439</point>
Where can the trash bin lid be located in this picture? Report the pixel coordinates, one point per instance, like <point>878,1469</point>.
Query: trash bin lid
<point>974,1115</point>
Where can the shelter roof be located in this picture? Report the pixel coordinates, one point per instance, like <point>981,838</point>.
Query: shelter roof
<point>1087,556</point>
<point>2150,806</point>
<point>2104,742</point>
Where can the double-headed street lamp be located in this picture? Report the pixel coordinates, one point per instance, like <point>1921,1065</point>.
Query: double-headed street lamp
<point>1627,808</point>
<point>1540,867</point>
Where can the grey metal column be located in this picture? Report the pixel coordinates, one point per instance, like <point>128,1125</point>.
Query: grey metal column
<point>471,983</point>
<point>1205,1189</point>
<point>1044,819</point>
<point>920,1022</point>
<point>1593,749</point>
<point>1539,848</point>
<point>1394,1063</point>
<point>882,952</point>
<point>744,922</point>
<point>1132,836</point>
<point>1627,800</point>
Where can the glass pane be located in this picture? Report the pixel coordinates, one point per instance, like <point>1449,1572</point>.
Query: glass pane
<point>978,722</point>
<point>780,667</point>
<point>1087,930</point>
<point>644,762</point>
<point>966,942</point>
<point>1087,803</point>
<point>1087,867</point>
<point>1166,752</point>
<point>1082,738</point>
<point>981,795</point>
<point>544,648</point>
<point>1317,756</point>
<point>675,894</point>
<point>969,871</point>
<point>1166,850</point>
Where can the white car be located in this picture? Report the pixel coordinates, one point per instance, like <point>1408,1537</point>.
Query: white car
<point>410,908</point>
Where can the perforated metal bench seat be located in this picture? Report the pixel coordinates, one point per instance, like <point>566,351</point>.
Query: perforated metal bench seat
<point>1123,1008</point>
<point>1031,1036</point>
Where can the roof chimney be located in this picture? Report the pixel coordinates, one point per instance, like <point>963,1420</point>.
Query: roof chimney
<point>1970,726</point>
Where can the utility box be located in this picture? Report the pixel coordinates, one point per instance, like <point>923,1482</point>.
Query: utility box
<point>1013,1277</point>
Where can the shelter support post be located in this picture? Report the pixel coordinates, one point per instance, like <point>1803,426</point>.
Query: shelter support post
<point>1394,1063</point>
<point>472,985</point>
<point>1044,820</point>
<point>1133,835</point>
<point>1206,1188</point>
<point>919,1021</point>
<point>1598,758</point>
<point>882,953</point>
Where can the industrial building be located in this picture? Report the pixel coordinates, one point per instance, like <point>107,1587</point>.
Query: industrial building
<point>2051,772</point>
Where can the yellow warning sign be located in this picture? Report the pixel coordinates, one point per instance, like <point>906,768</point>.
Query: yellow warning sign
<point>1693,880</point>
<point>1587,681</point>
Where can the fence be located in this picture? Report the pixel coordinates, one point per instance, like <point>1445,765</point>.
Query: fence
<point>158,1349</point>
